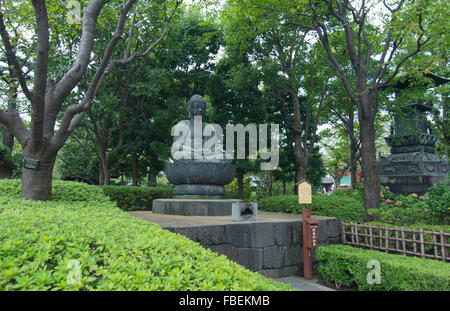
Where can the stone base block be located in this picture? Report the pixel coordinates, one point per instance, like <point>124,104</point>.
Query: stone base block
<point>410,184</point>
<point>188,207</point>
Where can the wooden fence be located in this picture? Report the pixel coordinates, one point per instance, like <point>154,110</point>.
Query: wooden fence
<point>413,242</point>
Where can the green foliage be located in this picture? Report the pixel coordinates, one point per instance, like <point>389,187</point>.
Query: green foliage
<point>438,200</point>
<point>346,208</point>
<point>67,191</point>
<point>127,198</point>
<point>232,189</point>
<point>115,250</point>
<point>5,153</point>
<point>432,208</point>
<point>346,265</point>
<point>136,198</point>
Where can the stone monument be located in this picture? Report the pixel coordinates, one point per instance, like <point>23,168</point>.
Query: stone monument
<point>199,179</point>
<point>412,166</point>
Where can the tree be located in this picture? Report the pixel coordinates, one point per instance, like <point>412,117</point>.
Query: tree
<point>376,54</point>
<point>292,72</point>
<point>236,99</point>
<point>44,138</point>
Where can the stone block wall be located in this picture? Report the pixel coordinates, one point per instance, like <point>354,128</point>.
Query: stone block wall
<point>273,249</point>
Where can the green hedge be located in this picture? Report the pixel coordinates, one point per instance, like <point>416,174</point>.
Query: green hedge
<point>61,191</point>
<point>346,208</point>
<point>136,198</point>
<point>115,250</point>
<point>127,198</point>
<point>432,208</point>
<point>346,265</point>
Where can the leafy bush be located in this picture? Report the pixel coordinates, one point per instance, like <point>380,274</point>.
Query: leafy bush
<point>439,200</point>
<point>232,189</point>
<point>136,198</point>
<point>346,265</point>
<point>347,208</point>
<point>115,250</point>
<point>401,210</point>
<point>127,198</point>
<point>61,191</point>
<point>5,153</point>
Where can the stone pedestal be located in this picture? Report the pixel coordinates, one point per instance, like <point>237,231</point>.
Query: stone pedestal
<point>193,191</point>
<point>193,207</point>
<point>412,166</point>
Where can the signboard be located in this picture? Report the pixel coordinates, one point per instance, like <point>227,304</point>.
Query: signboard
<point>31,164</point>
<point>304,192</point>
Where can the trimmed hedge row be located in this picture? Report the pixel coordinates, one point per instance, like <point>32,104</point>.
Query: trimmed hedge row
<point>346,208</point>
<point>346,265</point>
<point>115,251</point>
<point>136,198</point>
<point>127,198</point>
<point>61,191</point>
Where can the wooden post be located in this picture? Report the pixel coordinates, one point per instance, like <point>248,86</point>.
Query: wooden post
<point>436,253</point>
<point>307,260</point>
<point>365,237</point>
<point>387,238</point>
<point>443,247</point>
<point>370,236</point>
<point>422,246</point>
<point>353,232</point>
<point>305,197</point>
<point>343,232</point>
<point>396,239</point>
<point>414,239</point>
<point>403,241</point>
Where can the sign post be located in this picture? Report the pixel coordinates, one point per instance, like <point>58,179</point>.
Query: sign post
<point>309,227</point>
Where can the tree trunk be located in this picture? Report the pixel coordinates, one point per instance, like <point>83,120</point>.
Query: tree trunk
<point>269,186</point>
<point>7,137</point>
<point>107,174</point>
<point>353,165</point>
<point>37,184</point>
<point>301,169</point>
<point>446,119</point>
<point>151,180</point>
<point>284,188</point>
<point>134,166</point>
<point>240,178</point>
<point>101,179</point>
<point>369,164</point>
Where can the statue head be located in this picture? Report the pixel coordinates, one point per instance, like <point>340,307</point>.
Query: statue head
<point>196,106</point>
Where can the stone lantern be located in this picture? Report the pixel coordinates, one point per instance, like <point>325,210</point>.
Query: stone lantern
<point>413,166</point>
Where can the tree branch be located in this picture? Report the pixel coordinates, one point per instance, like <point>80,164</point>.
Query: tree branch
<point>13,59</point>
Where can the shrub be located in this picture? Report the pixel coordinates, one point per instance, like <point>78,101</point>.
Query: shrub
<point>346,208</point>
<point>438,201</point>
<point>61,191</point>
<point>401,210</point>
<point>232,189</point>
<point>346,265</point>
<point>136,198</point>
<point>127,198</point>
<point>115,251</point>
<point>5,153</point>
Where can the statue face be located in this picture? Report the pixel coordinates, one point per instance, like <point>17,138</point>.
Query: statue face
<point>197,109</point>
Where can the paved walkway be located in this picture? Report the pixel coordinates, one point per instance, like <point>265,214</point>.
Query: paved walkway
<point>164,220</point>
<point>303,284</point>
